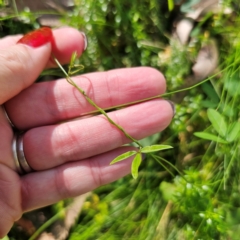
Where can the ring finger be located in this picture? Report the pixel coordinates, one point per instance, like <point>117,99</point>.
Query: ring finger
<point>50,146</point>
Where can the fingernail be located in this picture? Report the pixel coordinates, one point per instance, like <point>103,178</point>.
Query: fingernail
<point>38,37</point>
<point>85,41</point>
<point>172,106</point>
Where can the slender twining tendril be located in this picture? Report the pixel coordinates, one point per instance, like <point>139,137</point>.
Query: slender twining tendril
<point>146,99</point>
<point>137,154</point>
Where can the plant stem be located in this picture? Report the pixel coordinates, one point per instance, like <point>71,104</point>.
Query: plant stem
<point>103,111</point>
<point>145,99</point>
<point>159,159</point>
<point>68,78</point>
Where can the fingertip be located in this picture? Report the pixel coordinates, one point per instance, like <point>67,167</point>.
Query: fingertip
<point>85,40</point>
<point>172,104</point>
<point>151,77</point>
<point>67,41</point>
<point>157,77</point>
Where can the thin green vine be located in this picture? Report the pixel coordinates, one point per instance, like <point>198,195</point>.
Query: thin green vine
<point>69,80</point>
<point>137,154</point>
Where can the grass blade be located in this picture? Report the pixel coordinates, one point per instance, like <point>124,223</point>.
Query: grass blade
<point>211,137</point>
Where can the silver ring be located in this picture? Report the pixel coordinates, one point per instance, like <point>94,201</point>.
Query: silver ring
<point>6,114</point>
<point>21,163</point>
<point>15,157</point>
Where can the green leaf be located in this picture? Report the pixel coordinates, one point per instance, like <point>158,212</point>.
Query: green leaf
<point>135,165</point>
<point>209,136</point>
<point>155,148</point>
<point>217,121</point>
<point>123,157</point>
<point>234,132</point>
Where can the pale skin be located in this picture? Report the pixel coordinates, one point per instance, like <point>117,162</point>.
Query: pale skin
<point>69,158</point>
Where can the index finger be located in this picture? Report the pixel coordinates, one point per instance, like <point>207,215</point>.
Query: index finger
<point>20,65</point>
<point>68,40</point>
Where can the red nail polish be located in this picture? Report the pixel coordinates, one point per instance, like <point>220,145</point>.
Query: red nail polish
<point>38,37</point>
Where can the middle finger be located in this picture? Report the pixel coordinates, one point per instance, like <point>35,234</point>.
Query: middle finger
<point>52,102</point>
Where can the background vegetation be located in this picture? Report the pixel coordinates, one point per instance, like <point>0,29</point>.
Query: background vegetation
<point>195,193</point>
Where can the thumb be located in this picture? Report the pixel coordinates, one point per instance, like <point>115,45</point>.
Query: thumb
<point>21,64</point>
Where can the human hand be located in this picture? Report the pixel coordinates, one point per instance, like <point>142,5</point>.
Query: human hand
<point>69,158</point>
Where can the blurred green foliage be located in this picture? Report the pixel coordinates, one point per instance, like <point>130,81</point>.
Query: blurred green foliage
<point>201,199</point>
<point>120,33</point>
